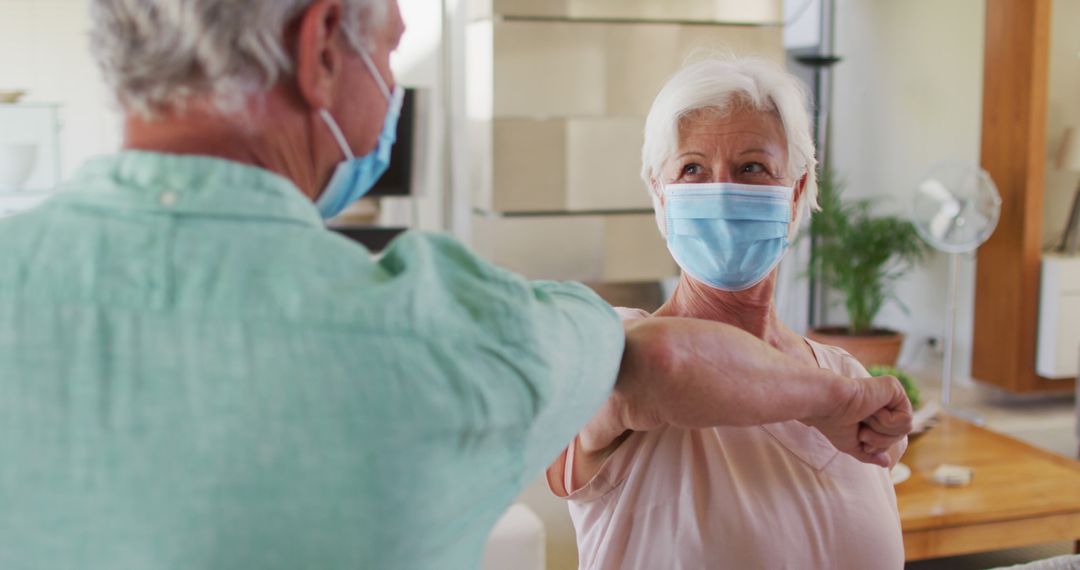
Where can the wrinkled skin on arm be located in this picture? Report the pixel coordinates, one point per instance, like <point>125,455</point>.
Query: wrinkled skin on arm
<point>692,373</point>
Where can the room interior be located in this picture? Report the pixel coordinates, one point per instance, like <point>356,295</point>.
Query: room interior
<point>524,142</point>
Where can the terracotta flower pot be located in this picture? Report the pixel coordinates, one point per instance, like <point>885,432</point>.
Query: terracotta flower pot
<point>878,346</point>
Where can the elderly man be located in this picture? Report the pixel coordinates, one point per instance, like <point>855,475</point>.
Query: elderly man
<point>194,373</point>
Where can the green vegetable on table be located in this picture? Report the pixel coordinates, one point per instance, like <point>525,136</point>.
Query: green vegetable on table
<point>909,383</point>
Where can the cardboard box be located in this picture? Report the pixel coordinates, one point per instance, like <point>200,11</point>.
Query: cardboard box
<point>557,165</point>
<point>561,69</point>
<point>605,248</point>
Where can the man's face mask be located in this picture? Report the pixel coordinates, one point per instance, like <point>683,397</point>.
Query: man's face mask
<point>355,176</point>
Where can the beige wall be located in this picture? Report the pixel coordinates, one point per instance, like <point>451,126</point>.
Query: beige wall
<point>1063,109</point>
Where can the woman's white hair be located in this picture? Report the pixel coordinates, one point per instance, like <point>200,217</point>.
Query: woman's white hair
<point>155,54</point>
<point>719,83</point>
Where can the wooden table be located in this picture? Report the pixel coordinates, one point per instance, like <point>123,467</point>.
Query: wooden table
<point>1020,495</point>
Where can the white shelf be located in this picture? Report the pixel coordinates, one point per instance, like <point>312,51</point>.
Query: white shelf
<point>718,12</point>
<point>31,105</point>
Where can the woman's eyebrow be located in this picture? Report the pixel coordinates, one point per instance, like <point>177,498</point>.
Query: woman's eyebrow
<point>756,150</point>
<point>690,153</point>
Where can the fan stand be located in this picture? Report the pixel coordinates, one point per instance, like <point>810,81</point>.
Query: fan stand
<point>950,339</point>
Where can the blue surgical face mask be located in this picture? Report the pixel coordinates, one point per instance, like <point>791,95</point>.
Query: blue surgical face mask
<point>355,176</point>
<point>727,236</point>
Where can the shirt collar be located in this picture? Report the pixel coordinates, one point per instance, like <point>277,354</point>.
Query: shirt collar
<point>189,184</point>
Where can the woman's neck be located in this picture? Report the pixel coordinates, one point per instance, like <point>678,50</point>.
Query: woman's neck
<point>752,310</point>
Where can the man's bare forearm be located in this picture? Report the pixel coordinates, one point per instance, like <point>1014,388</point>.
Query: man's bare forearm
<point>694,374</point>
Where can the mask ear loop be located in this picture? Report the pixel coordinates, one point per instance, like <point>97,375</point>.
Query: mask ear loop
<point>358,47</point>
<point>659,209</point>
<point>383,87</point>
<point>338,135</point>
<point>329,120</point>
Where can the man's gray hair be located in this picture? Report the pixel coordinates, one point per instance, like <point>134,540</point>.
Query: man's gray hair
<point>720,83</point>
<point>155,54</point>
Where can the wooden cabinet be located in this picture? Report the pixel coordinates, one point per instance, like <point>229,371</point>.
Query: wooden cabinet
<point>1015,80</point>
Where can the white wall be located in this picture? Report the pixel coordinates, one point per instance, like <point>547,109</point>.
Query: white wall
<point>418,63</point>
<point>907,95</point>
<point>44,50</point>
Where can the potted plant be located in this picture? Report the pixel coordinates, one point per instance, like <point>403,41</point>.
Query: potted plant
<point>861,256</point>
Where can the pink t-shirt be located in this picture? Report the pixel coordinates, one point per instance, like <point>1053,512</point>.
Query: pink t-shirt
<point>772,496</point>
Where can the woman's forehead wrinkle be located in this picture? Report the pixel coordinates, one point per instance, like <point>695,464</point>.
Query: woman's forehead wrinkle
<point>758,124</point>
<point>741,141</point>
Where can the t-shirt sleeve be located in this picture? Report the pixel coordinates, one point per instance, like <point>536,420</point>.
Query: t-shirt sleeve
<point>535,358</point>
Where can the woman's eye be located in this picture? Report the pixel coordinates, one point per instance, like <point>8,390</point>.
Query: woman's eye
<point>753,168</point>
<point>691,169</point>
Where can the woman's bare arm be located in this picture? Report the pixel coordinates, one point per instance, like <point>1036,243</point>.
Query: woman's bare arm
<point>693,373</point>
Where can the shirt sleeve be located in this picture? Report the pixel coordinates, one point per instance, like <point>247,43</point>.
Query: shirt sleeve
<point>537,358</point>
<point>582,339</point>
<point>559,473</point>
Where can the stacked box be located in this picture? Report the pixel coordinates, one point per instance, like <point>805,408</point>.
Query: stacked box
<point>556,97</point>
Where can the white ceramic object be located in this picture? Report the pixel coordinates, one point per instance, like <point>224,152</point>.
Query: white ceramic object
<point>12,203</point>
<point>900,473</point>
<point>16,163</point>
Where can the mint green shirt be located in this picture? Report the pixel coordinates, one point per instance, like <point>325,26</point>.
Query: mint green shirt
<point>195,374</point>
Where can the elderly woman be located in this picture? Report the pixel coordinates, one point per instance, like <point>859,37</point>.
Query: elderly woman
<point>195,373</point>
<point>729,162</point>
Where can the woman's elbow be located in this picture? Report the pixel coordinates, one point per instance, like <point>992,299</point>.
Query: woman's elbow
<point>645,378</point>
<point>651,355</point>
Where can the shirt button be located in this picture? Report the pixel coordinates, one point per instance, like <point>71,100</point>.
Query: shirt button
<point>168,198</point>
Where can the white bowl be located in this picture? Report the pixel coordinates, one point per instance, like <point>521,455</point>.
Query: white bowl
<point>900,473</point>
<point>16,163</point>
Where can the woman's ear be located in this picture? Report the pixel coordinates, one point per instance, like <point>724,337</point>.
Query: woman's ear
<point>800,188</point>
<point>796,203</point>
<point>657,190</point>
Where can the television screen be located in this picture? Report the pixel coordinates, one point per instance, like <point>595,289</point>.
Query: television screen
<point>398,178</point>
